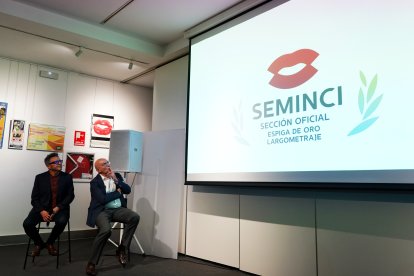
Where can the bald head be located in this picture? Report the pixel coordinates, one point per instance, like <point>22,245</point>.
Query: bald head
<point>102,166</point>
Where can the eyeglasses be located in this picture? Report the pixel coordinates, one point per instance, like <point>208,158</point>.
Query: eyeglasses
<point>56,162</point>
<point>107,163</point>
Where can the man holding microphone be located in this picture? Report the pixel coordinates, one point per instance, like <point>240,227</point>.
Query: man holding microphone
<point>51,196</point>
<point>109,205</point>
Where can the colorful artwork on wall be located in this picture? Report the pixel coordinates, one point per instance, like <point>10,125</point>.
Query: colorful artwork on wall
<point>3,113</point>
<point>46,137</point>
<point>16,135</point>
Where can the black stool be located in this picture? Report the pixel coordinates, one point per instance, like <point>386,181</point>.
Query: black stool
<point>48,227</point>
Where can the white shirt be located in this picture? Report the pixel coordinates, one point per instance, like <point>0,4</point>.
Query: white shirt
<point>110,186</point>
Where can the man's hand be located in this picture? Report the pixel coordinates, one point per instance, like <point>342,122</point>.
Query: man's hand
<point>45,215</point>
<point>111,174</point>
<point>56,210</point>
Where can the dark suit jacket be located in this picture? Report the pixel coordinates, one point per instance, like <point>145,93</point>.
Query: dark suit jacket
<point>99,197</point>
<point>42,193</point>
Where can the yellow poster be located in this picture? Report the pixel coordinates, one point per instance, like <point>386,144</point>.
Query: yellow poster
<point>3,112</point>
<point>46,137</point>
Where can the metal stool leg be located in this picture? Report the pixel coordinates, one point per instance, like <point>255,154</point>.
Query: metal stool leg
<point>58,253</point>
<point>70,250</point>
<point>27,253</point>
<point>27,249</point>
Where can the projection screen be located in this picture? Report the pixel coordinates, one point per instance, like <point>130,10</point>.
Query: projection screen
<point>304,91</point>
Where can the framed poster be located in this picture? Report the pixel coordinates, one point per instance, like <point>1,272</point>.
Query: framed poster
<point>80,165</point>
<point>3,113</point>
<point>16,135</point>
<point>101,127</point>
<point>46,137</point>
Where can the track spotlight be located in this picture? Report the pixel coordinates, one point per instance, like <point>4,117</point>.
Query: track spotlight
<point>79,52</point>
<point>130,65</point>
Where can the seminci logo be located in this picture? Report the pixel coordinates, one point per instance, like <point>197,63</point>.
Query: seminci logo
<point>306,56</point>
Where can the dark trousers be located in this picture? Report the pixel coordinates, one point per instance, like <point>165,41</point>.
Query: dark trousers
<point>30,223</point>
<point>129,218</point>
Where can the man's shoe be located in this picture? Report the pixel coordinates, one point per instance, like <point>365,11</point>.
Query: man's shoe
<point>90,269</point>
<point>36,251</point>
<point>51,249</point>
<point>122,256</point>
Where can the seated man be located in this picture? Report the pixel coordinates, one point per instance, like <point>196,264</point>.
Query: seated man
<point>51,195</point>
<point>108,204</point>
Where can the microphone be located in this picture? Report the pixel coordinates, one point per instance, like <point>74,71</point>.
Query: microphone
<point>51,218</point>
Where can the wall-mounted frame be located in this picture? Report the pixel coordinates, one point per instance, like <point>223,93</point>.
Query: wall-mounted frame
<point>3,113</point>
<point>80,165</point>
<point>16,134</point>
<point>46,137</point>
<point>101,127</point>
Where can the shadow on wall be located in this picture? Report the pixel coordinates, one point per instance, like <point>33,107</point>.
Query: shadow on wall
<point>147,231</point>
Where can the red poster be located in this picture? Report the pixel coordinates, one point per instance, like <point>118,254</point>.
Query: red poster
<point>79,139</point>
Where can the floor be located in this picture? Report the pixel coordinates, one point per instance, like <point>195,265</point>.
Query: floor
<point>12,260</point>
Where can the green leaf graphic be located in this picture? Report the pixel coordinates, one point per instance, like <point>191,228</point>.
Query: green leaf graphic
<point>366,106</point>
<point>363,79</point>
<point>361,101</point>
<point>372,107</point>
<point>362,126</point>
<point>371,88</point>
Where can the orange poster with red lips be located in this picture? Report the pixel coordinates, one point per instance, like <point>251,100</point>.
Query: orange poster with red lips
<point>101,128</point>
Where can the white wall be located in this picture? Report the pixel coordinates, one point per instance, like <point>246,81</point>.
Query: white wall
<point>213,224</point>
<point>170,96</point>
<point>69,101</point>
<point>279,226</point>
<point>292,232</point>
<point>158,195</point>
<point>365,234</point>
<point>169,113</point>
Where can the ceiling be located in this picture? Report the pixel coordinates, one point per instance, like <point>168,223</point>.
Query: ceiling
<point>110,33</point>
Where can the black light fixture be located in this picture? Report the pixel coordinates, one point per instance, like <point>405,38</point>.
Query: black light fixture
<point>79,52</point>
<point>130,65</point>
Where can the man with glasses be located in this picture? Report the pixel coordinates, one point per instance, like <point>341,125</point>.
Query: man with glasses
<point>107,205</point>
<point>51,196</point>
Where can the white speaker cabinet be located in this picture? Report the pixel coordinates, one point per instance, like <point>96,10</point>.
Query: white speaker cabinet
<point>125,151</point>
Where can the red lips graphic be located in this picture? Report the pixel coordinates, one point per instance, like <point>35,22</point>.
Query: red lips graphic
<point>306,56</point>
<point>102,127</point>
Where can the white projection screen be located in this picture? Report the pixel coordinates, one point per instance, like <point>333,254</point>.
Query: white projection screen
<point>304,92</point>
